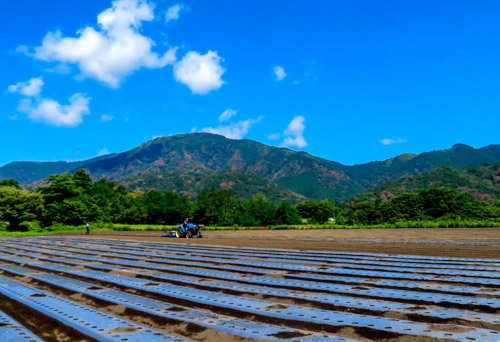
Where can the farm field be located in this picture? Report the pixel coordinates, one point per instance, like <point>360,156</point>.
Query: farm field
<point>428,285</point>
<point>446,242</point>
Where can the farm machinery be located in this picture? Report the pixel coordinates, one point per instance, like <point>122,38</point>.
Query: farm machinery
<point>185,231</point>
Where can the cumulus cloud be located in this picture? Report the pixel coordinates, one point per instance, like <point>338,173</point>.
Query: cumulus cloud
<point>201,73</point>
<point>53,113</point>
<point>279,73</point>
<point>294,135</point>
<point>228,114</point>
<point>33,87</point>
<point>106,117</point>
<point>113,51</point>
<point>47,110</point>
<point>392,141</point>
<point>173,13</point>
<point>103,152</point>
<point>233,130</point>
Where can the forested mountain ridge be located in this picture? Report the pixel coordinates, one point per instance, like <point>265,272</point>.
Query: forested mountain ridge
<point>481,181</point>
<point>29,171</point>
<point>459,156</point>
<point>300,172</point>
<point>191,184</point>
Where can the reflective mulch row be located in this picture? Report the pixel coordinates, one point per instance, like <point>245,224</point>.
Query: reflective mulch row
<point>240,294</point>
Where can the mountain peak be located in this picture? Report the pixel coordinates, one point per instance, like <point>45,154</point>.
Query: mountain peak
<point>300,172</point>
<point>461,146</point>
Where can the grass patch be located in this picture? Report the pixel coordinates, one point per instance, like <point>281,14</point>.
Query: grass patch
<point>35,229</point>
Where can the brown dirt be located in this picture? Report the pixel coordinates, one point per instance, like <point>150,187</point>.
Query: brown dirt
<point>425,242</point>
<point>443,242</point>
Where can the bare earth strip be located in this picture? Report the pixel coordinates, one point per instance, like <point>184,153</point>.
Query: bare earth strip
<point>139,286</point>
<point>442,242</point>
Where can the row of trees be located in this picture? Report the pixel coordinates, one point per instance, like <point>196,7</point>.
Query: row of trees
<point>74,199</point>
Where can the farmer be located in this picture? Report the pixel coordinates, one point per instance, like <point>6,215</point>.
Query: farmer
<point>87,229</point>
<point>186,221</point>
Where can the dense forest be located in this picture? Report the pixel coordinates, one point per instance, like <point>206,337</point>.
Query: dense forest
<point>481,181</point>
<point>74,199</point>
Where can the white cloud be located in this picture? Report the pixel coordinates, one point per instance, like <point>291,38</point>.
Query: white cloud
<point>173,13</point>
<point>228,114</point>
<point>392,141</point>
<point>234,130</point>
<point>274,136</point>
<point>47,110</point>
<point>106,117</point>
<point>112,52</point>
<point>294,135</point>
<point>296,126</point>
<point>53,113</point>
<point>103,152</point>
<point>279,73</point>
<point>299,142</point>
<point>201,73</point>
<point>31,88</point>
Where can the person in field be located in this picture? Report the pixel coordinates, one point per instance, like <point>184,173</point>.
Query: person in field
<point>87,229</point>
<point>186,221</point>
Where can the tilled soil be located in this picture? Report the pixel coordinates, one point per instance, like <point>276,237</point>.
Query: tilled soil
<point>400,285</point>
<point>443,242</point>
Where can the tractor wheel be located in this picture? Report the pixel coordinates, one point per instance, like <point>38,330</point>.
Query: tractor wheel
<point>189,235</point>
<point>178,233</point>
<point>199,235</point>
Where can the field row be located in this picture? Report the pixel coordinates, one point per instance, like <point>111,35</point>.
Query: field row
<point>121,290</point>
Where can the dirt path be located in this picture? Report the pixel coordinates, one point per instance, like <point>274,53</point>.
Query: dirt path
<point>459,242</point>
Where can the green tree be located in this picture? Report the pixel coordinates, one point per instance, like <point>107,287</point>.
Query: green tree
<point>214,206</point>
<point>259,212</point>
<point>177,208</point>
<point>442,202</point>
<point>82,180</point>
<point>59,188</point>
<point>107,202</point>
<point>360,213</point>
<point>287,214</point>
<point>10,182</point>
<point>408,206</point>
<point>67,200</point>
<point>318,212</point>
<point>17,205</point>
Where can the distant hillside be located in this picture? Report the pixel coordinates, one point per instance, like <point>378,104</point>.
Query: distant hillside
<point>28,172</point>
<point>483,182</point>
<point>459,156</point>
<point>244,184</point>
<point>300,172</point>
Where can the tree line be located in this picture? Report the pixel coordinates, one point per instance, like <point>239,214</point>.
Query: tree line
<point>74,199</point>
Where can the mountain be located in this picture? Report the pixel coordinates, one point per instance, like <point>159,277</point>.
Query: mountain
<point>27,171</point>
<point>244,184</point>
<point>300,172</point>
<point>481,181</point>
<point>459,156</point>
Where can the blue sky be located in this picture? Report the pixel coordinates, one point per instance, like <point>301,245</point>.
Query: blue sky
<point>350,81</point>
